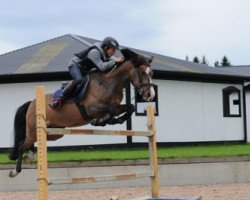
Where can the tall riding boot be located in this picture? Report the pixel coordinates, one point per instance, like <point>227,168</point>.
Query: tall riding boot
<point>56,103</point>
<point>68,90</point>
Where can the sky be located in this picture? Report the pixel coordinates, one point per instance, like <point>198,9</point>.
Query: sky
<point>175,28</point>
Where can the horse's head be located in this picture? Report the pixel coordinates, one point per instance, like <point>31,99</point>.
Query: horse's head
<point>141,75</point>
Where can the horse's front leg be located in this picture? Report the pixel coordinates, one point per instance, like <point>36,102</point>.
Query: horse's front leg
<point>102,113</point>
<point>101,121</point>
<point>110,112</point>
<point>128,110</point>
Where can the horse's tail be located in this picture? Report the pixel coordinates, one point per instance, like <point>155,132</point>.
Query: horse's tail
<point>19,129</point>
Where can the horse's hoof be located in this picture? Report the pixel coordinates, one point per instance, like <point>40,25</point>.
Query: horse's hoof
<point>13,173</point>
<point>94,122</point>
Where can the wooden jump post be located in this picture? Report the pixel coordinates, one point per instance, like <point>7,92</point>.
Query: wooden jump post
<point>43,131</point>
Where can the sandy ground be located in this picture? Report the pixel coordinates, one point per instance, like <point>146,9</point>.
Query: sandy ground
<point>208,192</point>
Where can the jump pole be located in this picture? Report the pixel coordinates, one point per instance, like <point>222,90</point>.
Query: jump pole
<point>42,132</point>
<point>153,152</point>
<point>42,166</point>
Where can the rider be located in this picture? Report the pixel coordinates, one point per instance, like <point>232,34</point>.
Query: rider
<point>99,56</point>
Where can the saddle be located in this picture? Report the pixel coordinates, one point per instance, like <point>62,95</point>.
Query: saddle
<point>78,94</point>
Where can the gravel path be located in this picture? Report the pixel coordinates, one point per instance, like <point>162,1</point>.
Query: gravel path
<point>208,192</point>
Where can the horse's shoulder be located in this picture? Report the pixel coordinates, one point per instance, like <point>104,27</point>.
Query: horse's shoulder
<point>96,75</point>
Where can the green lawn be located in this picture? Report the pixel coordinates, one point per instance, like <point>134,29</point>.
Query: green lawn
<point>142,153</point>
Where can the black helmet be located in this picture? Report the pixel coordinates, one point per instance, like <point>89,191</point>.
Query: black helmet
<point>110,42</point>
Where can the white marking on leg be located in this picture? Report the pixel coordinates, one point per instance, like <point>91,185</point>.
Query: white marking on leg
<point>31,155</point>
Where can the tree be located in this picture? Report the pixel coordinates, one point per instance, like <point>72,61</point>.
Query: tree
<point>225,62</point>
<point>217,64</point>
<point>204,60</point>
<point>196,59</point>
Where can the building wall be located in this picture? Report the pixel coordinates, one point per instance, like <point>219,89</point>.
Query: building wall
<point>15,94</point>
<point>192,112</point>
<point>188,112</point>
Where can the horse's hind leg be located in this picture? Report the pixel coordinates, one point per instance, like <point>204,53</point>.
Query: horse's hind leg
<point>24,145</point>
<point>31,156</point>
<point>13,173</point>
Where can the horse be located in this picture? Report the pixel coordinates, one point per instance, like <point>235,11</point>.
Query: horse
<point>102,102</point>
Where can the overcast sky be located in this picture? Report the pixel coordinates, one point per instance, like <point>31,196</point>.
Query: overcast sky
<point>174,28</point>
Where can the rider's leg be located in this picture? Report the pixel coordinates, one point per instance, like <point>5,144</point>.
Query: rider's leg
<point>70,88</point>
<point>77,76</point>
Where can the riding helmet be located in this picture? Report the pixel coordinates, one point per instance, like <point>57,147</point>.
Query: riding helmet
<point>109,42</point>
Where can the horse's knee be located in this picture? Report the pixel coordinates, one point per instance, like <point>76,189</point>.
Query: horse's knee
<point>131,108</point>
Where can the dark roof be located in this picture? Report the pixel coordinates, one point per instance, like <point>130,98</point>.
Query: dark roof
<point>52,56</point>
<point>242,69</point>
<point>48,56</point>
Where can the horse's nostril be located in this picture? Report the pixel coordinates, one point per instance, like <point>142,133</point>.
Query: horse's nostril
<point>149,95</point>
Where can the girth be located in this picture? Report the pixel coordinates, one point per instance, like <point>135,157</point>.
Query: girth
<point>83,111</point>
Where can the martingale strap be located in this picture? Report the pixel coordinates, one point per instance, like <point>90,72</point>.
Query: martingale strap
<point>83,112</point>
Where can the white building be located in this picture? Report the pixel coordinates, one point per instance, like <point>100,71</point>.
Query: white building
<point>196,103</point>
<point>245,70</point>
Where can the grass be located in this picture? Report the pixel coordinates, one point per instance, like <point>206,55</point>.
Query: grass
<point>142,153</point>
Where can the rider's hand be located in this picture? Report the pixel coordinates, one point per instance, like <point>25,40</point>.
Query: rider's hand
<point>119,60</point>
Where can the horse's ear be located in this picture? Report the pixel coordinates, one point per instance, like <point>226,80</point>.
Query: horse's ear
<point>150,59</point>
<point>128,54</point>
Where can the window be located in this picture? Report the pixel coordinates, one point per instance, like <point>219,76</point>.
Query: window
<point>141,105</point>
<point>231,102</point>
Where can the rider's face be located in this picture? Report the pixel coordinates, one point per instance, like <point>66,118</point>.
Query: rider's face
<point>110,52</point>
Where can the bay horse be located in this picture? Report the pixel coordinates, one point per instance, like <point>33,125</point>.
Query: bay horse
<point>102,102</point>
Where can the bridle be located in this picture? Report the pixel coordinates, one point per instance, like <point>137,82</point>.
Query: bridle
<point>140,86</point>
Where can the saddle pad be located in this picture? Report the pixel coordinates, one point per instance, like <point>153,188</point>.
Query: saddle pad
<point>78,95</point>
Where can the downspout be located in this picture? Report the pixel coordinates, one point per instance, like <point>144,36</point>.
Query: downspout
<point>244,112</point>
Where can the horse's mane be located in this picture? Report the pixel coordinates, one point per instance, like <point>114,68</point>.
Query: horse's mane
<point>128,54</point>
<point>136,58</point>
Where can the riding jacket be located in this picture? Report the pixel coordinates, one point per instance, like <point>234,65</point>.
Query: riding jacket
<point>93,57</point>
